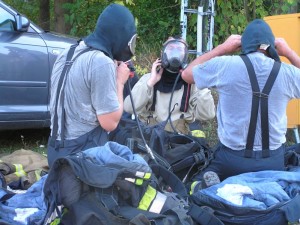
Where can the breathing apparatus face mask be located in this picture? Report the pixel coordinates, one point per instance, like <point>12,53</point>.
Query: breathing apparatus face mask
<point>174,55</point>
<point>129,51</point>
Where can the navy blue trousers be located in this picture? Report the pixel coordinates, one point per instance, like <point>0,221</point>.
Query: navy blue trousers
<point>94,138</point>
<point>228,162</point>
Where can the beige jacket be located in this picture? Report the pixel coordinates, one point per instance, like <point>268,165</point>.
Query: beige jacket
<point>201,105</point>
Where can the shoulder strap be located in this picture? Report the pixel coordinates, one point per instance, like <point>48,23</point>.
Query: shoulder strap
<point>5,194</point>
<point>203,216</point>
<point>185,97</point>
<point>171,179</point>
<point>261,97</point>
<point>60,92</point>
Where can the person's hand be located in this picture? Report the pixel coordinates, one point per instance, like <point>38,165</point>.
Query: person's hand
<point>282,47</point>
<point>232,44</point>
<point>156,73</point>
<point>123,72</point>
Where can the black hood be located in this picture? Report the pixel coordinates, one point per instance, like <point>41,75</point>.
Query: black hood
<point>256,33</point>
<point>114,29</point>
<point>167,82</point>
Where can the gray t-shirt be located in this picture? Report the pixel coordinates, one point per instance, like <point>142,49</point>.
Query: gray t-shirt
<point>90,90</point>
<point>228,74</point>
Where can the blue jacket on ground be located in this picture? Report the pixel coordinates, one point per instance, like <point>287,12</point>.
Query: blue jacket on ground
<point>256,190</point>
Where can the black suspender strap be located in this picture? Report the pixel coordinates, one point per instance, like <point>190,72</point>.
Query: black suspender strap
<point>261,97</point>
<point>62,76</point>
<point>60,92</point>
<point>265,107</point>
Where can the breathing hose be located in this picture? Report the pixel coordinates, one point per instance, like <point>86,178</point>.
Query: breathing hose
<point>148,149</point>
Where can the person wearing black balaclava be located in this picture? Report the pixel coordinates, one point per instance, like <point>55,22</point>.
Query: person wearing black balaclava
<point>88,102</point>
<point>152,93</point>
<point>251,114</point>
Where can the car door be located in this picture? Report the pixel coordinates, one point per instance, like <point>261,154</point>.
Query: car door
<point>24,74</point>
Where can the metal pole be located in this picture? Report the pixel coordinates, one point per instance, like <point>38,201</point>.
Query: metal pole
<point>183,18</point>
<point>199,29</point>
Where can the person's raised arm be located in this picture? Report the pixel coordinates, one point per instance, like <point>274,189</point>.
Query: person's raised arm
<point>231,45</point>
<point>142,92</point>
<point>110,121</point>
<point>283,49</point>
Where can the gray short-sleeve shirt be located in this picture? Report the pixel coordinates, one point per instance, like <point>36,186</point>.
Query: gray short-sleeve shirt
<point>228,74</point>
<point>90,90</point>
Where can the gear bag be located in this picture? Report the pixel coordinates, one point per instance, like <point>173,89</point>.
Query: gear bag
<point>182,154</point>
<point>111,185</point>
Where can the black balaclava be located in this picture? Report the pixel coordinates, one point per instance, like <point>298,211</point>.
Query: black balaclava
<point>114,29</point>
<point>167,82</point>
<point>258,32</point>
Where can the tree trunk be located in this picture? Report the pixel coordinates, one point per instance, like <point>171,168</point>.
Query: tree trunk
<point>44,14</point>
<point>60,24</point>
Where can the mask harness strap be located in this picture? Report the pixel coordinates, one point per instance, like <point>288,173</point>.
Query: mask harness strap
<point>170,103</point>
<point>262,98</point>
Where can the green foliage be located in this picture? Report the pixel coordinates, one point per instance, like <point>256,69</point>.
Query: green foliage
<point>233,16</point>
<point>83,15</point>
<point>30,9</point>
<point>156,20</point>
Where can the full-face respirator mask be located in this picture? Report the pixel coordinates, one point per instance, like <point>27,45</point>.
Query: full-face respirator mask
<point>174,55</point>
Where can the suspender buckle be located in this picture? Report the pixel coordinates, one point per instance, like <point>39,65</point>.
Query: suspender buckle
<point>260,94</point>
<point>69,63</point>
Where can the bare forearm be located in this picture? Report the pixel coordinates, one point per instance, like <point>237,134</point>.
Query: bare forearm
<point>120,90</point>
<point>283,49</point>
<point>294,58</point>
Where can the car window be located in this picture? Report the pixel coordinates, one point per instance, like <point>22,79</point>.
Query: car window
<point>7,21</point>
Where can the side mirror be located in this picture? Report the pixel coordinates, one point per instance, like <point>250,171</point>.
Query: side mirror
<point>22,23</point>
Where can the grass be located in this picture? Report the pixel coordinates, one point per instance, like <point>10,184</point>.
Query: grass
<point>36,139</point>
<point>29,139</point>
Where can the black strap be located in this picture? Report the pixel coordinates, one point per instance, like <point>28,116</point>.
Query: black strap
<point>261,97</point>
<point>170,179</point>
<point>184,100</point>
<point>60,92</point>
<point>265,107</point>
<point>131,212</point>
<point>203,216</point>
<point>8,194</point>
<point>63,73</point>
<point>196,159</point>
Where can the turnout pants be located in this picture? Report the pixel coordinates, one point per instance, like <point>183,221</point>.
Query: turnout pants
<point>57,149</point>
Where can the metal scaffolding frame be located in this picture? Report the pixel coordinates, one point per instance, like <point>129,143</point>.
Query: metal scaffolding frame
<point>205,8</point>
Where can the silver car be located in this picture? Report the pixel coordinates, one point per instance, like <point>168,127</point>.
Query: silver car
<point>27,55</point>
